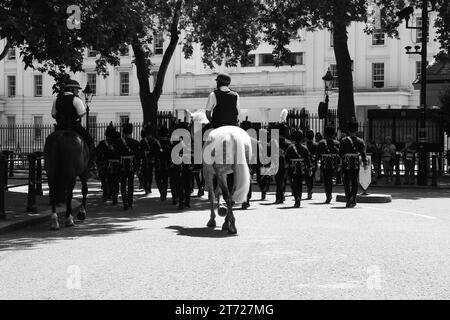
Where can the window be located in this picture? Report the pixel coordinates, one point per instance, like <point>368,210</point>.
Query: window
<point>12,54</point>
<point>92,53</point>
<point>37,120</point>
<point>124,83</point>
<point>124,118</point>
<point>38,85</point>
<point>250,61</point>
<point>92,120</point>
<point>92,82</point>
<point>11,86</point>
<point>296,58</point>
<point>378,38</point>
<point>419,31</point>
<point>419,68</point>
<point>378,75</point>
<point>11,134</point>
<point>331,38</point>
<point>334,73</point>
<point>159,41</point>
<point>266,59</point>
<point>124,51</point>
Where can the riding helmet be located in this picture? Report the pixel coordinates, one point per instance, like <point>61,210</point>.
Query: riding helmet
<point>223,79</point>
<point>72,84</point>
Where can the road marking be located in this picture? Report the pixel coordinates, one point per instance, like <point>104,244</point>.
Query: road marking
<point>400,211</point>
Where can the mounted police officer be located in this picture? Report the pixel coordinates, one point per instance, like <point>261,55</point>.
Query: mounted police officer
<point>162,165</point>
<point>312,148</point>
<point>107,158</point>
<point>149,148</point>
<point>67,110</point>
<point>328,153</point>
<point>350,149</point>
<point>299,165</point>
<point>129,151</point>
<point>223,107</point>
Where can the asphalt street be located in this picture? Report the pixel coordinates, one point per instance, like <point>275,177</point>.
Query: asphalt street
<point>399,250</point>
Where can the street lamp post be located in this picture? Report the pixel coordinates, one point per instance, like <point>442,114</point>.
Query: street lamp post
<point>88,94</point>
<point>328,80</point>
<point>422,51</point>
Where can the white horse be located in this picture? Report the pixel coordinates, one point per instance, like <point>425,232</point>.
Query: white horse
<point>226,150</point>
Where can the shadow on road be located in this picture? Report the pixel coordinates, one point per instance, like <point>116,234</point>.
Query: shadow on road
<point>204,232</point>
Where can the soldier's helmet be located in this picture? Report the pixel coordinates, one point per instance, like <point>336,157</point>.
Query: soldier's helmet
<point>245,125</point>
<point>297,135</point>
<point>284,130</point>
<point>71,84</point>
<point>127,128</point>
<point>110,130</point>
<point>330,132</point>
<point>309,134</point>
<point>223,79</point>
<point>352,125</point>
<point>147,128</point>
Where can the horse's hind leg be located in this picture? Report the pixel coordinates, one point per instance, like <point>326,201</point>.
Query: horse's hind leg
<point>211,196</point>
<point>229,223</point>
<point>69,217</point>
<point>54,216</point>
<point>84,190</point>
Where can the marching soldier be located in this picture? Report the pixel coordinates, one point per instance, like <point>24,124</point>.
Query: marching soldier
<point>129,151</point>
<point>183,175</point>
<point>350,149</point>
<point>149,149</point>
<point>280,176</point>
<point>262,176</point>
<point>106,153</point>
<point>162,165</point>
<point>246,125</point>
<point>312,148</point>
<point>299,165</point>
<point>328,153</point>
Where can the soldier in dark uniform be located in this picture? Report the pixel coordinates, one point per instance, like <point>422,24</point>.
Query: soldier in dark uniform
<point>246,125</point>
<point>106,151</point>
<point>163,161</point>
<point>67,110</point>
<point>262,177</point>
<point>130,152</point>
<point>328,153</point>
<point>149,147</point>
<point>183,174</point>
<point>280,176</point>
<point>298,160</point>
<point>350,149</point>
<point>312,148</point>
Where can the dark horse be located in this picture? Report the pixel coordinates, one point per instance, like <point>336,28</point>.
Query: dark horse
<point>66,158</point>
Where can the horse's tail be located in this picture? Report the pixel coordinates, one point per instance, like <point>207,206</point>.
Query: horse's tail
<point>242,170</point>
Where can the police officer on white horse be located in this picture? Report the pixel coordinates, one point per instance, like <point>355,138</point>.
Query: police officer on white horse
<point>223,107</point>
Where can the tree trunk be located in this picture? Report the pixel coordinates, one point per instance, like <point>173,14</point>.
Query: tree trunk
<point>5,50</point>
<point>149,100</point>
<point>346,102</point>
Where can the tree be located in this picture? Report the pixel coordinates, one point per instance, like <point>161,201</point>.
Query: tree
<point>281,20</point>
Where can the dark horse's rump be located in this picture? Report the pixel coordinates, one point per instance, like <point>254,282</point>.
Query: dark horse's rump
<point>66,157</point>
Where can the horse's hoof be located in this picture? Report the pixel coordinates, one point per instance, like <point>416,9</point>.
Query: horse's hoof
<point>69,222</point>
<point>222,211</point>
<point>232,230</point>
<point>211,224</point>
<point>81,215</point>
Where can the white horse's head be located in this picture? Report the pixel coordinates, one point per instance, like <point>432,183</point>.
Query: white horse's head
<point>198,116</point>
